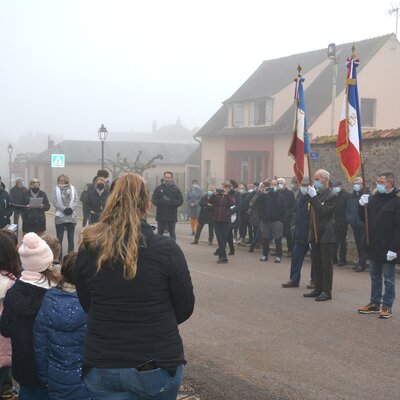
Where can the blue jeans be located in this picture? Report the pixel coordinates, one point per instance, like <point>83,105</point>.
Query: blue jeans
<point>170,225</point>
<point>33,394</point>
<point>376,270</point>
<point>70,227</point>
<point>299,252</point>
<point>131,384</point>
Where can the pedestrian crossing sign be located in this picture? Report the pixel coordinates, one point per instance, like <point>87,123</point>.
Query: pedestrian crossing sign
<point>58,160</point>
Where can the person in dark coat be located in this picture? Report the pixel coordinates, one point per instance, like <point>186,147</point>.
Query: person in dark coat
<point>270,205</point>
<point>96,200</point>
<point>357,225</point>
<point>83,200</point>
<point>34,218</point>
<point>384,243</point>
<point>341,224</point>
<point>17,195</point>
<point>5,206</point>
<point>21,305</point>
<point>222,202</point>
<point>205,217</point>
<point>167,197</point>
<point>244,217</point>
<point>59,332</point>
<point>235,215</point>
<point>193,197</point>
<point>289,207</point>
<point>136,288</point>
<point>323,200</point>
<point>246,209</point>
<point>301,245</point>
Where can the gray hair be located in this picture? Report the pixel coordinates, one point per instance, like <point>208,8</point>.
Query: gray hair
<point>389,176</point>
<point>324,173</point>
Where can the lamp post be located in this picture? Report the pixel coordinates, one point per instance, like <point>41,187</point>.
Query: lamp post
<point>103,133</point>
<point>335,59</point>
<point>10,149</point>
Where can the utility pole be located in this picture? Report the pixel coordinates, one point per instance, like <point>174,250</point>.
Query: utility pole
<point>390,12</point>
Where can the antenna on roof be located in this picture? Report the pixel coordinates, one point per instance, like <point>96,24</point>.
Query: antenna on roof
<point>392,11</point>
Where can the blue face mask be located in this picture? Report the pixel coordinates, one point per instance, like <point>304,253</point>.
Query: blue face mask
<point>318,185</point>
<point>337,189</point>
<point>303,189</point>
<point>251,190</point>
<point>357,187</point>
<point>380,187</point>
<point>275,189</point>
<point>210,192</point>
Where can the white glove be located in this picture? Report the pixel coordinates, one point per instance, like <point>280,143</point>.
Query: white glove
<point>311,191</point>
<point>391,255</point>
<point>364,199</point>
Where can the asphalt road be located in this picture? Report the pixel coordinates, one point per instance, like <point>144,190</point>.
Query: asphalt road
<point>251,339</point>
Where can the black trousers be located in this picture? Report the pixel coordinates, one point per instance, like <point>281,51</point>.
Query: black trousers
<point>359,238</point>
<point>200,226</point>
<point>341,244</point>
<point>321,258</point>
<point>221,232</point>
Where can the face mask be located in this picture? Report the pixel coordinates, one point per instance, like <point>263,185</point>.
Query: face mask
<point>303,189</point>
<point>251,190</point>
<point>337,189</point>
<point>241,190</point>
<point>100,186</point>
<point>380,187</point>
<point>280,186</point>
<point>318,185</point>
<point>195,186</point>
<point>210,192</point>
<point>357,187</point>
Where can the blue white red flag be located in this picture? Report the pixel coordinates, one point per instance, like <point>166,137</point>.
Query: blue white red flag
<point>349,134</point>
<point>300,144</point>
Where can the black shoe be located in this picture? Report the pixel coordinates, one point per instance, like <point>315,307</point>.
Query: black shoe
<point>264,258</point>
<point>360,269</point>
<point>314,293</point>
<point>277,260</point>
<point>251,249</point>
<point>231,253</point>
<point>324,296</point>
<point>222,261</point>
<point>341,263</point>
<point>216,252</point>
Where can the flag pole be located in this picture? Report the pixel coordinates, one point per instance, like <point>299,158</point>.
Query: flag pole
<point>308,162</point>
<point>353,56</point>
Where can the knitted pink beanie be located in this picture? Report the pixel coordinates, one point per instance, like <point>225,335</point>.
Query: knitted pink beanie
<point>35,254</point>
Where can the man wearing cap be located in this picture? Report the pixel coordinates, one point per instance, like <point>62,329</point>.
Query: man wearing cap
<point>5,206</point>
<point>323,200</point>
<point>17,194</point>
<point>341,224</point>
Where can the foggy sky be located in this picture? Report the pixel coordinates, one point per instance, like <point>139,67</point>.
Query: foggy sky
<point>67,66</point>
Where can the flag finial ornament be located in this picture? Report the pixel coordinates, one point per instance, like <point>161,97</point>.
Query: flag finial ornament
<point>353,51</point>
<point>299,70</point>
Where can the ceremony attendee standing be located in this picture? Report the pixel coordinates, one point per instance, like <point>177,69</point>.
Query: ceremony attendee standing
<point>384,243</point>
<point>193,197</point>
<point>96,200</point>
<point>17,195</point>
<point>33,216</point>
<point>5,206</point>
<point>136,288</point>
<point>289,206</point>
<point>65,201</point>
<point>205,217</point>
<point>167,197</point>
<point>323,200</point>
<point>340,224</point>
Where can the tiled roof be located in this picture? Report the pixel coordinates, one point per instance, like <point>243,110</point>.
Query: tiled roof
<point>274,75</point>
<point>89,152</point>
<point>379,134</point>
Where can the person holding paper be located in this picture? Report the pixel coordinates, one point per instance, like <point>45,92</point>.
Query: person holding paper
<point>36,204</point>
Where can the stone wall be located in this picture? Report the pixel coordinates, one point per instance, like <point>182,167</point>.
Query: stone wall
<point>380,155</point>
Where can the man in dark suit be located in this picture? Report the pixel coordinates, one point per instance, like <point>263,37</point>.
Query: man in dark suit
<point>323,244</point>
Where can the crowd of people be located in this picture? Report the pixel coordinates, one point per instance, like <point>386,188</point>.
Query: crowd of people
<point>102,323</point>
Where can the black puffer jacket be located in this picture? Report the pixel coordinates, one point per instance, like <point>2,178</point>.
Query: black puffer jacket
<point>167,199</point>
<point>21,305</point>
<point>384,225</point>
<point>134,321</point>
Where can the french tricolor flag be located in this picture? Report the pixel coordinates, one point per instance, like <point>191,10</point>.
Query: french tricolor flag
<point>349,134</point>
<point>300,144</point>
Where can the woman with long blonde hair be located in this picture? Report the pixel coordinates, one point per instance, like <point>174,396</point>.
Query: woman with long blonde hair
<point>136,288</point>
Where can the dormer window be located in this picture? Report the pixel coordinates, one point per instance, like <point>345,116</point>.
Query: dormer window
<point>237,115</point>
<point>261,113</point>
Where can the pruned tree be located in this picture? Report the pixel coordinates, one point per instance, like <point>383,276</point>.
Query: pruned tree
<point>122,165</point>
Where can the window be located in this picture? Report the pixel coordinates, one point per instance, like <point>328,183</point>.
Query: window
<point>368,112</point>
<point>261,113</point>
<point>237,115</point>
<point>244,175</point>
<point>207,168</point>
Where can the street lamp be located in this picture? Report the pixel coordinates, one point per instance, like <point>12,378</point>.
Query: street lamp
<point>103,137</point>
<point>10,149</point>
<point>333,57</point>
